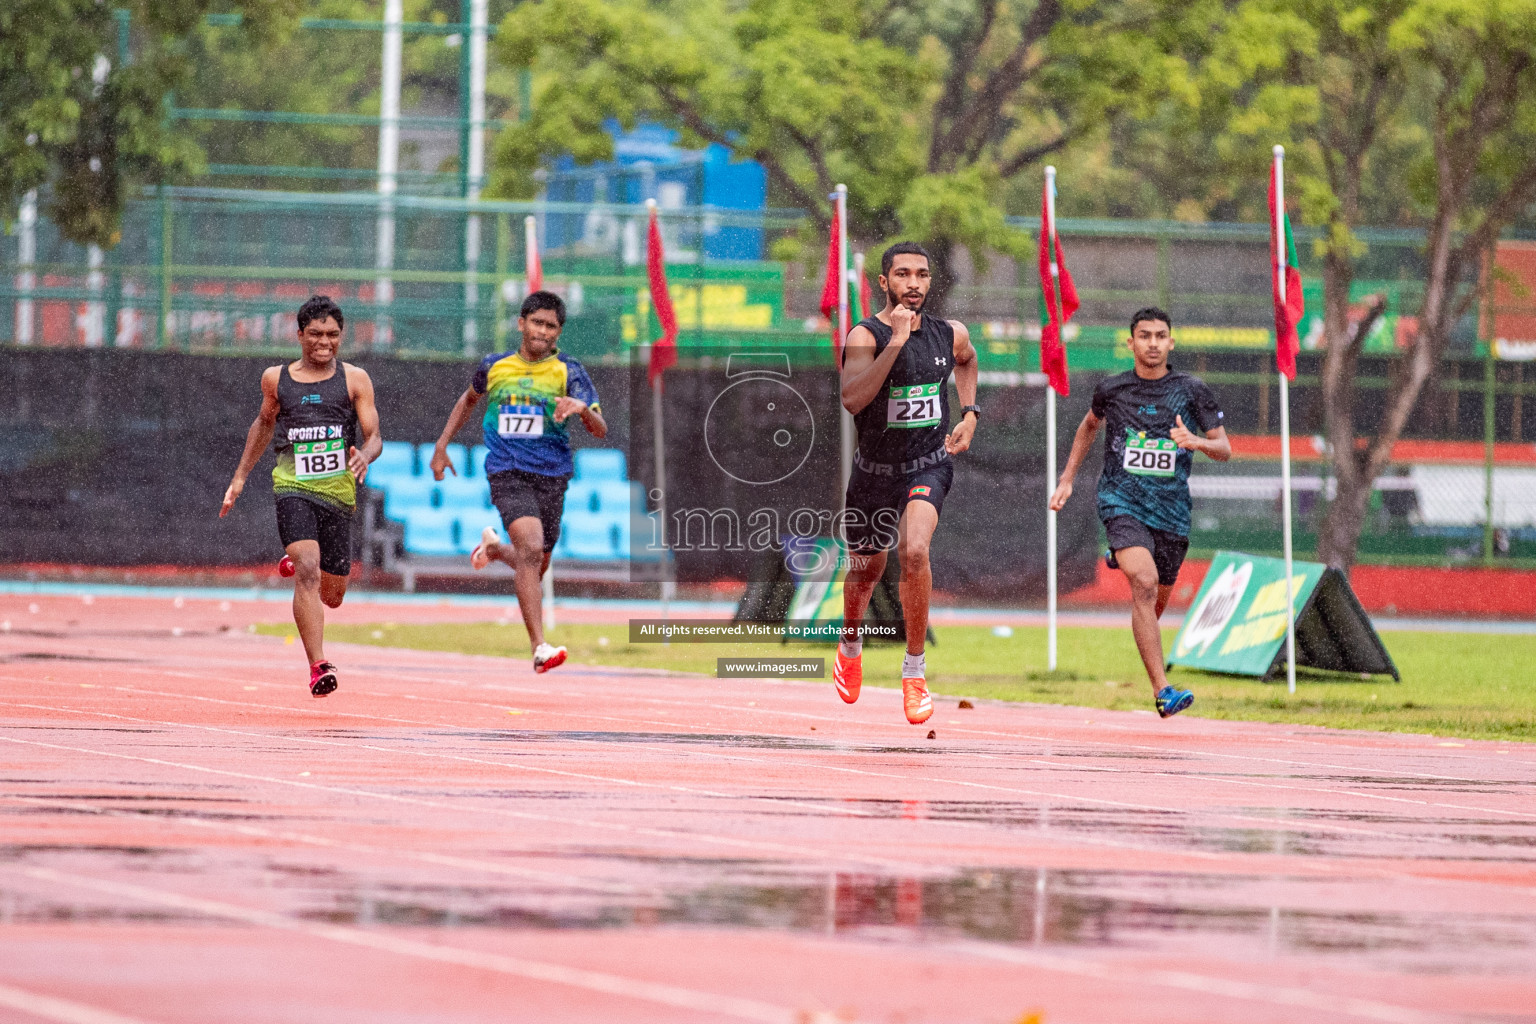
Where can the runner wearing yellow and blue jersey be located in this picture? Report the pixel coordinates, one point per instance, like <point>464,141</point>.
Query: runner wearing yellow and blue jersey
<point>531,395</point>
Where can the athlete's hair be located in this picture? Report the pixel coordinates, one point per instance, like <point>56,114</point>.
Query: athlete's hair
<point>888,257</point>
<point>544,300</point>
<point>318,307</point>
<point>1151,313</point>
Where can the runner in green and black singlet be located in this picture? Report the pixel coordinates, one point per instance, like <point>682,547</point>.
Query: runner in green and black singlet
<point>316,407</point>
<point>1157,418</point>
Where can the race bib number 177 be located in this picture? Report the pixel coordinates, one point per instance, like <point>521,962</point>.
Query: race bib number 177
<point>520,421</point>
<point>316,460</point>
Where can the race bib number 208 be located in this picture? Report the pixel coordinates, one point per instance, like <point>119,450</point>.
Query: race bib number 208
<point>1150,456</point>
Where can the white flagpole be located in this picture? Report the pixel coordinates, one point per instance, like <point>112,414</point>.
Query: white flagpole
<point>1050,431</point>
<point>530,248</point>
<point>1285,435</point>
<point>845,420</point>
<point>668,587</point>
<point>389,165</point>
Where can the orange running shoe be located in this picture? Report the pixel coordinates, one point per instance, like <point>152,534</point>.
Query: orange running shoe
<point>848,674</point>
<point>918,701</point>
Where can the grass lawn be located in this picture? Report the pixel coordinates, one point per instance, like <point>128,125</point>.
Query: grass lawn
<point>1454,684</point>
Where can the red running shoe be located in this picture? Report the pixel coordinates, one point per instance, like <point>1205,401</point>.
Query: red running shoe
<point>285,567</point>
<point>917,700</point>
<point>848,674</point>
<point>322,678</point>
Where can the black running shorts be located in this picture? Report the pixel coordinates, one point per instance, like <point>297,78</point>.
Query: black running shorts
<point>302,519</point>
<point>876,502</point>
<point>1167,548</point>
<point>517,494</point>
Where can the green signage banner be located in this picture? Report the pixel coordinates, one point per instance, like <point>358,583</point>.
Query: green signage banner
<point>1237,623</point>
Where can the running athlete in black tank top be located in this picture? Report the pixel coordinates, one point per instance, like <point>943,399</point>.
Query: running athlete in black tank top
<point>316,407</point>
<point>895,375</point>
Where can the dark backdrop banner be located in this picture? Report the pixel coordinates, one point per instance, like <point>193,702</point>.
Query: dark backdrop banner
<point>121,458</point>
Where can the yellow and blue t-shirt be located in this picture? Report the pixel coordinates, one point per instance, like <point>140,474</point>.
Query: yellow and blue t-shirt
<point>520,429</point>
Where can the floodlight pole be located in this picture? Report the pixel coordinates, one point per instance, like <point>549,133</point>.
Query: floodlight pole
<point>474,169</point>
<point>1285,433</point>
<point>389,166</point>
<point>26,260</point>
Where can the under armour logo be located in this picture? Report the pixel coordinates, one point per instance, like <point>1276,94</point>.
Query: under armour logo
<point>940,361</point>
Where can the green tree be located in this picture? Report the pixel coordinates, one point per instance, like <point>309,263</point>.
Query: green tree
<point>82,126</point>
<point>324,71</point>
<point>926,112</point>
<point>1392,111</point>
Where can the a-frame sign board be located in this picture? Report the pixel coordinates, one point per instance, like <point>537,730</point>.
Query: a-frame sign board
<point>1237,623</point>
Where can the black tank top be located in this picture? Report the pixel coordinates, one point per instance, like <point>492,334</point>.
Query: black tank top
<point>910,415</point>
<point>316,426</point>
<point>313,412</point>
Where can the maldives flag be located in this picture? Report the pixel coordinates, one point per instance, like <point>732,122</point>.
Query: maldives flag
<point>1053,275</point>
<point>831,297</point>
<point>664,349</point>
<point>1288,311</point>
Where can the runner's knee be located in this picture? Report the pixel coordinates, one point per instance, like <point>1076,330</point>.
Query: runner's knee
<point>914,553</point>
<point>1143,585</point>
<point>306,572</point>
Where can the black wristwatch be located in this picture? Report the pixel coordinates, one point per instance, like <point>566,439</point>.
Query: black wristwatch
<point>970,408</point>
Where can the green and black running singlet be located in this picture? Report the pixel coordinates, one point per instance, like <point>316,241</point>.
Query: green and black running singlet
<point>910,415</point>
<point>316,424</point>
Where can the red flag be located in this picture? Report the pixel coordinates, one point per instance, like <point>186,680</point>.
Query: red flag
<point>831,298</point>
<point>664,349</point>
<point>866,298</point>
<point>1053,354</point>
<point>535,268</point>
<point>1288,312</point>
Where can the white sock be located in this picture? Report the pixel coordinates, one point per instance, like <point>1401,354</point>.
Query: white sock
<point>913,666</point>
<point>852,648</point>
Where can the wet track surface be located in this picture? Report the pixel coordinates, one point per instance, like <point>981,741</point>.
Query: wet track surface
<point>185,835</point>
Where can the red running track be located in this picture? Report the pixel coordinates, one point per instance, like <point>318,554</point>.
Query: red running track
<point>189,837</point>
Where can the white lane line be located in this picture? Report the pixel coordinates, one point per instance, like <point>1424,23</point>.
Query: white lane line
<point>561,879</point>
<point>66,1011</point>
<point>1312,790</point>
<point>1207,812</point>
<point>1281,995</point>
<point>674,996</point>
<point>1074,839</point>
<point>1343,738</point>
<point>671,835</point>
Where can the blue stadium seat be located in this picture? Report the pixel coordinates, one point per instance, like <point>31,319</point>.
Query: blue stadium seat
<point>461,494</point>
<point>477,462</point>
<point>404,495</point>
<point>600,464</point>
<point>457,452</point>
<point>580,497</point>
<point>593,537</point>
<point>396,460</point>
<point>472,522</point>
<point>613,497</point>
<point>432,531</point>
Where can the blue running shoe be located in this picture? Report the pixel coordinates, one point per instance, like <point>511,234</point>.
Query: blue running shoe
<point>1170,701</point>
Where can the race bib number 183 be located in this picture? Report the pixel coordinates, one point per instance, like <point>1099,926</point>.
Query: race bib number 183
<point>1150,456</point>
<point>316,460</point>
<point>915,405</point>
<point>520,421</point>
